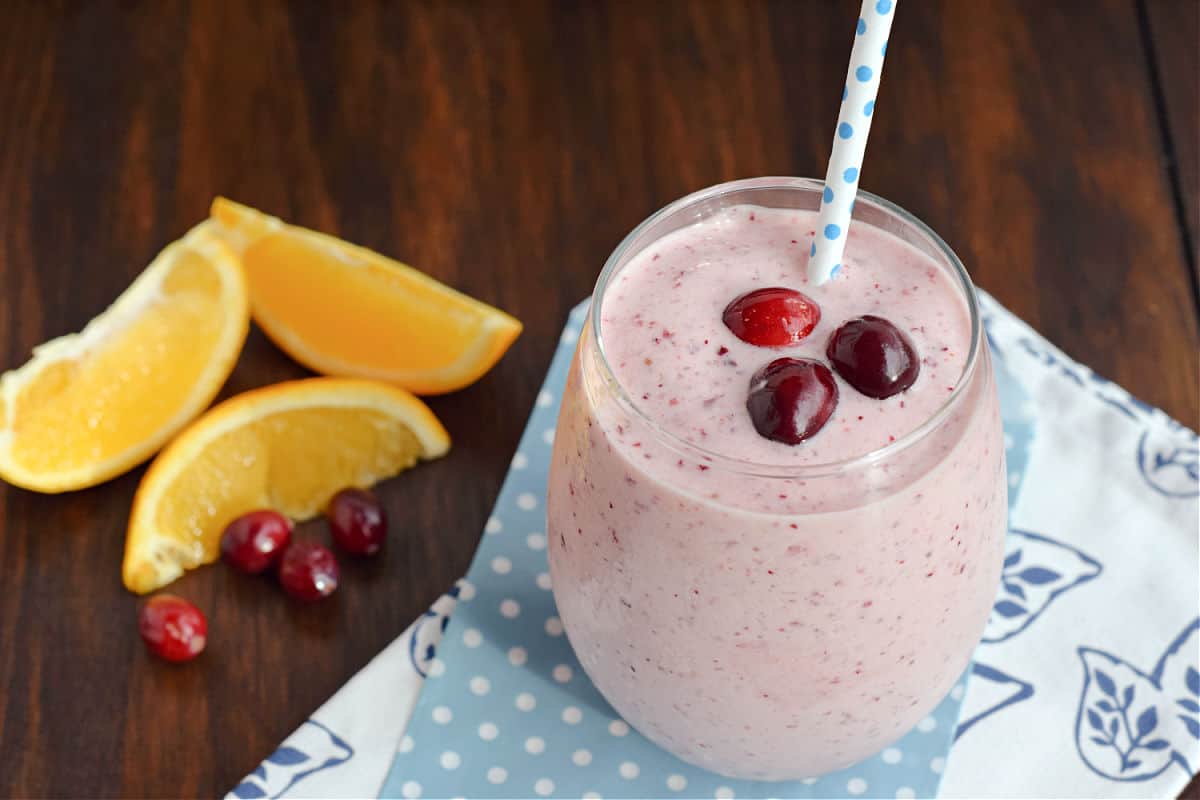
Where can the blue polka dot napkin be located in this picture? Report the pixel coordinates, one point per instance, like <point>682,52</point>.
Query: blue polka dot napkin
<point>1086,683</point>
<point>507,711</point>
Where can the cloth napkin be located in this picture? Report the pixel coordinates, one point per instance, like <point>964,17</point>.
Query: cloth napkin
<point>1086,682</point>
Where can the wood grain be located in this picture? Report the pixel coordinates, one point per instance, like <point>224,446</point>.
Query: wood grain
<point>505,148</point>
<point>1063,214</point>
<point>1174,31</point>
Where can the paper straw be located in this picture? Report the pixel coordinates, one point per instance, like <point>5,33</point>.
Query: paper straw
<point>850,138</point>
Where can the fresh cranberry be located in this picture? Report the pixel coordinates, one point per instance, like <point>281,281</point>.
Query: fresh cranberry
<point>357,521</point>
<point>172,628</point>
<point>791,399</point>
<point>254,541</point>
<point>873,356</point>
<point>775,317</point>
<point>308,571</point>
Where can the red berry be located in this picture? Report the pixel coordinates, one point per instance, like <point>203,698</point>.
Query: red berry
<point>775,317</point>
<point>308,571</point>
<point>172,628</point>
<point>357,521</point>
<point>791,399</point>
<point>255,541</point>
<point>874,356</point>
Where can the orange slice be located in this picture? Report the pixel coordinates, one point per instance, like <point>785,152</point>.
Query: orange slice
<point>288,447</point>
<point>91,405</point>
<point>344,310</point>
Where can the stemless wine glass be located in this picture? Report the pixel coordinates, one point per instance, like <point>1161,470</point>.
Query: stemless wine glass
<point>885,566</point>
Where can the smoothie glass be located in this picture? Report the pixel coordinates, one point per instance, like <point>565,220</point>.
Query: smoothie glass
<point>769,622</point>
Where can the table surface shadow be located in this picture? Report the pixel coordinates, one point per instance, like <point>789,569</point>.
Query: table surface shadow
<point>505,148</point>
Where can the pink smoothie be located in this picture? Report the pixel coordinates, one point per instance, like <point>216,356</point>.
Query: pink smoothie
<point>757,608</point>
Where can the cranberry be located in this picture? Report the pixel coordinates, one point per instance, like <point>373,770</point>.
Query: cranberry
<point>308,571</point>
<point>775,317</point>
<point>358,522</point>
<point>254,541</point>
<point>791,399</point>
<point>873,356</point>
<point>172,628</point>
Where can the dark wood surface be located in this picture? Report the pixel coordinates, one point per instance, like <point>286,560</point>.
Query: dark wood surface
<point>506,148</point>
<point>1173,37</point>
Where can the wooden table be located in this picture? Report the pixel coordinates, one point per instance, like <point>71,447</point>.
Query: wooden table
<point>506,148</point>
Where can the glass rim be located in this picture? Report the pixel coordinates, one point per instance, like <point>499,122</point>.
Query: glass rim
<point>800,471</point>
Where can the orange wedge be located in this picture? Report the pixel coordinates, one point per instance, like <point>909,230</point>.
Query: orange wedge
<point>287,447</point>
<point>91,405</point>
<point>344,310</point>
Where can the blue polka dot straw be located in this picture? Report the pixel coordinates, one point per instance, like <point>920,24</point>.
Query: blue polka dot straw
<point>850,137</point>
